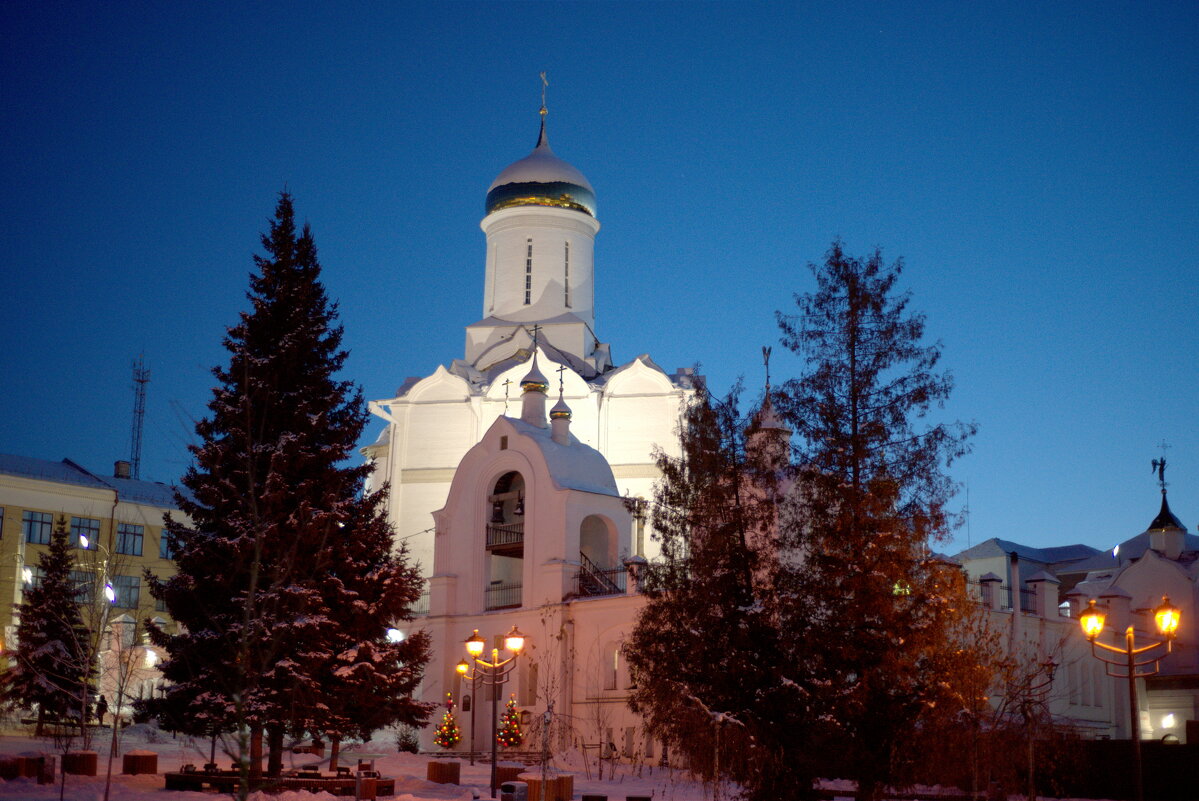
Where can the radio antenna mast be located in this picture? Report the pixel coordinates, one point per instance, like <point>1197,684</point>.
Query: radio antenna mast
<point>141,377</point>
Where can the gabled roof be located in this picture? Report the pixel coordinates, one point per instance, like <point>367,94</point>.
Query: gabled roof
<point>150,493</point>
<point>1048,556</point>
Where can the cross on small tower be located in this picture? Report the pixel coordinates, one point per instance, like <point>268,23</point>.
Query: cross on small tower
<point>536,331</point>
<point>1159,467</point>
<point>766,349</point>
<point>561,379</point>
<point>544,84</point>
<point>507,383</point>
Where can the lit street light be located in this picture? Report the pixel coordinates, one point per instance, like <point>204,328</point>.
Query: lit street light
<point>1167,617</point>
<point>491,674</point>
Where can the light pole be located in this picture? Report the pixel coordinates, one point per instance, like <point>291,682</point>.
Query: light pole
<point>1167,618</point>
<point>491,674</point>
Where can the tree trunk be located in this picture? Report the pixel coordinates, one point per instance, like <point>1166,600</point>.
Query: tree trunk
<point>256,752</point>
<point>41,718</point>
<point>274,765</point>
<point>334,750</point>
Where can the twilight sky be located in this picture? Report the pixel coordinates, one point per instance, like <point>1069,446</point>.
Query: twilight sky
<point>1033,164</point>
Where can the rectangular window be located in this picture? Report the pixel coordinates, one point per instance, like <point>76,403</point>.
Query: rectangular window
<point>166,546</point>
<point>566,275</point>
<point>128,590</point>
<point>160,605</point>
<point>529,273</point>
<point>89,528</point>
<point>129,539</point>
<point>36,527</point>
<point>36,575</point>
<point>1,521</point>
<point>84,584</point>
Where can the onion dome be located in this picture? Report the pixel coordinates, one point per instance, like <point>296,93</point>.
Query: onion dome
<point>541,179</point>
<point>560,411</point>
<point>534,381</point>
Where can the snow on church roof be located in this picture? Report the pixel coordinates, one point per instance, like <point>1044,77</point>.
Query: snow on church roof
<point>575,466</point>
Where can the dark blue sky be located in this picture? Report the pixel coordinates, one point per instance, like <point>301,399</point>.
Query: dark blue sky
<point>1034,165</point>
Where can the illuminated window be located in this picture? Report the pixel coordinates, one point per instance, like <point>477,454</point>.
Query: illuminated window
<point>36,576</point>
<point>35,526</point>
<point>83,582</point>
<point>166,546</point>
<point>128,591</point>
<point>611,666</point>
<point>529,273</point>
<point>129,539</point>
<point>87,526</point>
<point>566,274</point>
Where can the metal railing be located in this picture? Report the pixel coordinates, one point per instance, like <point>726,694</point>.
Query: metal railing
<point>420,608</point>
<point>500,534</point>
<point>593,580</point>
<point>501,596</point>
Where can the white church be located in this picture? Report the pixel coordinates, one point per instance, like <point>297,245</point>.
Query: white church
<point>519,516</point>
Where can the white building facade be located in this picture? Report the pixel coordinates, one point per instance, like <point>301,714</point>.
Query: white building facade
<point>538,285</point>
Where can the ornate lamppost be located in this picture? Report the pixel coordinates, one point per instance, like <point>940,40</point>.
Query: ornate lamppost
<point>1135,662</point>
<point>491,673</point>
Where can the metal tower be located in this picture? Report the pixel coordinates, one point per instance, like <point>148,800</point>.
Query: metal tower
<point>141,377</point>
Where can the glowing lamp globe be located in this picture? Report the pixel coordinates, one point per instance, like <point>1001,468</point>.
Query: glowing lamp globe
<point>515,640</point>
<point>462,667</point>
<point>475,644</point>
<point>1167,617</point>
<point>1092,620</point>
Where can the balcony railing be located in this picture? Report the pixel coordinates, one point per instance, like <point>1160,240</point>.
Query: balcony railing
<point>501,596</point>
<point>421,607</point>
<point>501,535</point>
<point>592,580</point>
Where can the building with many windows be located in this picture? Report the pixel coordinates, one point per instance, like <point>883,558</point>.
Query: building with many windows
<point>116,531</point>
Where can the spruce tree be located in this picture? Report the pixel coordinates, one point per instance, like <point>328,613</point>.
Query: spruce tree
<point>447,734</point>
<point>509,735</point>
<point>286,581</point>
<point>50,665</point>
<point>709,662</point>
<point>871,498</point>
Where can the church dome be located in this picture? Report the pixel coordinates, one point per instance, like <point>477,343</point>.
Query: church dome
<point>541,179</point>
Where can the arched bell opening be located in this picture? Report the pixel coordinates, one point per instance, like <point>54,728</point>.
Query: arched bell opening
<point>505,541</point>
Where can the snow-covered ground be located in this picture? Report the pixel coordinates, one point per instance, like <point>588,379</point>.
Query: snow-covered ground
<point>409,771</point>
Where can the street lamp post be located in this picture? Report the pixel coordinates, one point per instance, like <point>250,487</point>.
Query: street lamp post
<point>491,674</point>
<point>1134,658</point>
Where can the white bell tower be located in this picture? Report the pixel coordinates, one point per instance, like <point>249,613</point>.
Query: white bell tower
<point>540,229</point>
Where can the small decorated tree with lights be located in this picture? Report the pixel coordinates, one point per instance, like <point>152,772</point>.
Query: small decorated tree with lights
<point>509,735</point>
<point>447,734</point>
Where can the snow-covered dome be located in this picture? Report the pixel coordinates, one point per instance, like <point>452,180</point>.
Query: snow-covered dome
<point>541,179</point>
